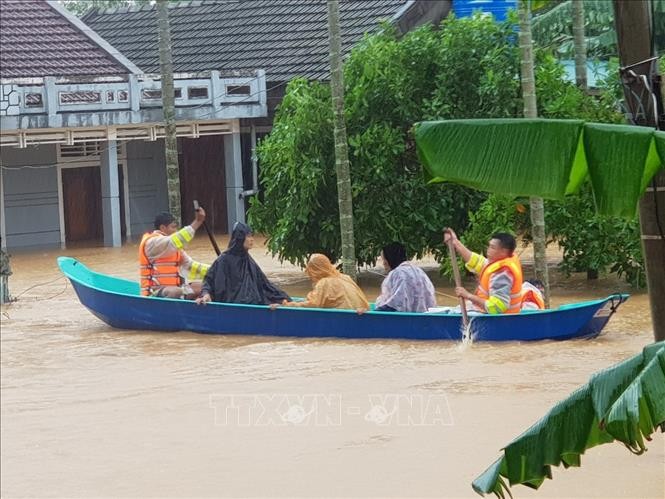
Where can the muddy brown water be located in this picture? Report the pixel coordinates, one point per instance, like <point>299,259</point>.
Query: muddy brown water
<point>88,411</point>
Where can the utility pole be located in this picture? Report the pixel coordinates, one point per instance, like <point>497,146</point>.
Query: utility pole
<point>634,29</point>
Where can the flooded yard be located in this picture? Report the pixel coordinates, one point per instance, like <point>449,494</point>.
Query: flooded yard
<point>88,411</point>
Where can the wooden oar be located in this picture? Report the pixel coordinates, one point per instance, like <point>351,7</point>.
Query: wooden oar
<point>458,281</point>
<point>205,226</point>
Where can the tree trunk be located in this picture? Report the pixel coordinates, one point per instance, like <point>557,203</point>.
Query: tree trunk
<point>5,272</point>
<point>580,44</point>
<point>344,195</point>
<point>168,105</point>
<point>531,111</point>
<point>633,26</point>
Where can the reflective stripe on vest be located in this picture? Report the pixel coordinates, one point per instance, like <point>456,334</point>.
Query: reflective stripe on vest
<point>495,305</point>
<point>160,272</point>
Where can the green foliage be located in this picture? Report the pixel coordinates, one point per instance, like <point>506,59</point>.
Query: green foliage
<point>496,214</point>
<point>625,402</point>
<point>589,241</point>
<point>80,7</point>
<point>478,71</point>
<point>553,30</point>
<point>468,69</point>
<point>297,168</point>
<point>561,99</point>
<point>390,84</point>
<point>595,242</point>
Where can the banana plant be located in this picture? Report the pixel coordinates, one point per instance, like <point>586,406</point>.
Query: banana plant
<point>545,158</point>
<point>552,28</point>
<point>624,403</point>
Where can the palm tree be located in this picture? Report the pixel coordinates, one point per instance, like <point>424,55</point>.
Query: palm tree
<point>531,111</point>
<point>344,194</point>
<point>168,104</point>
<point>580,44</point>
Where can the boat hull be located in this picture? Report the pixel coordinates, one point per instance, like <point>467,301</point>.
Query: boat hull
<point>117,303</point>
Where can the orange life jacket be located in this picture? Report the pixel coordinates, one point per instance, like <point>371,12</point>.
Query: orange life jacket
<point>531,296</point>
<point>512,263</point>
<point>160,272</point>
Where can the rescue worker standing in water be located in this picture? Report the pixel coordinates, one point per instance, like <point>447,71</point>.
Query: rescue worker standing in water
<point>500,274</point>
<point>166,270</point>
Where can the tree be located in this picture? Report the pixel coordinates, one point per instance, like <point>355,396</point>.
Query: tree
<point>634,34</point>
<point>580,44</point>
<point>5,272</point>
<point>528,80</point>
<point>466,69</point>
<point>344,195</point>
<point>80,7</point>
<point>168,105</point>
<point>594,243</point>
<point>553,30</point>
<point>591,243</point>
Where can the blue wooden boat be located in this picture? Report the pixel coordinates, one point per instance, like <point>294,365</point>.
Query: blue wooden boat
<point>118,303</point>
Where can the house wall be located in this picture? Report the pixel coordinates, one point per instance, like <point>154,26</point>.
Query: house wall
<point>147,184</point>
<point>30,210</point>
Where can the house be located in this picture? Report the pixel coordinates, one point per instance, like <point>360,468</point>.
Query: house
<point>81,127</point>
<point>73,106</point>
<point>284,38</point>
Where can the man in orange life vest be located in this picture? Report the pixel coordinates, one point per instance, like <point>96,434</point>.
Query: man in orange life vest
<point>164,262</point>
<point>500,274</point>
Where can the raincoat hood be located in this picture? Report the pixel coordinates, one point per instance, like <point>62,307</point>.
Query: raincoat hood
<point>319,267</point>
<point>238,236</point>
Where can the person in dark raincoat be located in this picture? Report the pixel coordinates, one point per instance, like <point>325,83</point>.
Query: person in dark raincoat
<point>236,278</point>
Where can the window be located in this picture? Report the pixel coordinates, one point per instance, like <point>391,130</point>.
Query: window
<point>239,90</point>
<point>197,93</point>
<point>33,100</point>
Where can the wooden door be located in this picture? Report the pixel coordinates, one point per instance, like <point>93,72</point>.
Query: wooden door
<point>202,177</point>
<point>82,199</point>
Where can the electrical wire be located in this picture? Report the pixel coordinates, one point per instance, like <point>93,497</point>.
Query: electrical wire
<point>42,284</point>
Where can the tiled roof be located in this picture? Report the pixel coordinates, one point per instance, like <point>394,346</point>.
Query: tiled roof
<point>38,40</point>
<point>287,38</point>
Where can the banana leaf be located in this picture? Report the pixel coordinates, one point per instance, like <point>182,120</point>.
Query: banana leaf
<point>625,402</point>
<point>545,158</point>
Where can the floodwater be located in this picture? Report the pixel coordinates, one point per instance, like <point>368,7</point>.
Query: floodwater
<point>88,411</point>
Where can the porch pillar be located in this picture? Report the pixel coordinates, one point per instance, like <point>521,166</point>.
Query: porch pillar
<point>110,194</point>
<point>235,204</point>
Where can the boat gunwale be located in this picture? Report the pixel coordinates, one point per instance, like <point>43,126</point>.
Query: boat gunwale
<point>66,261</point>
